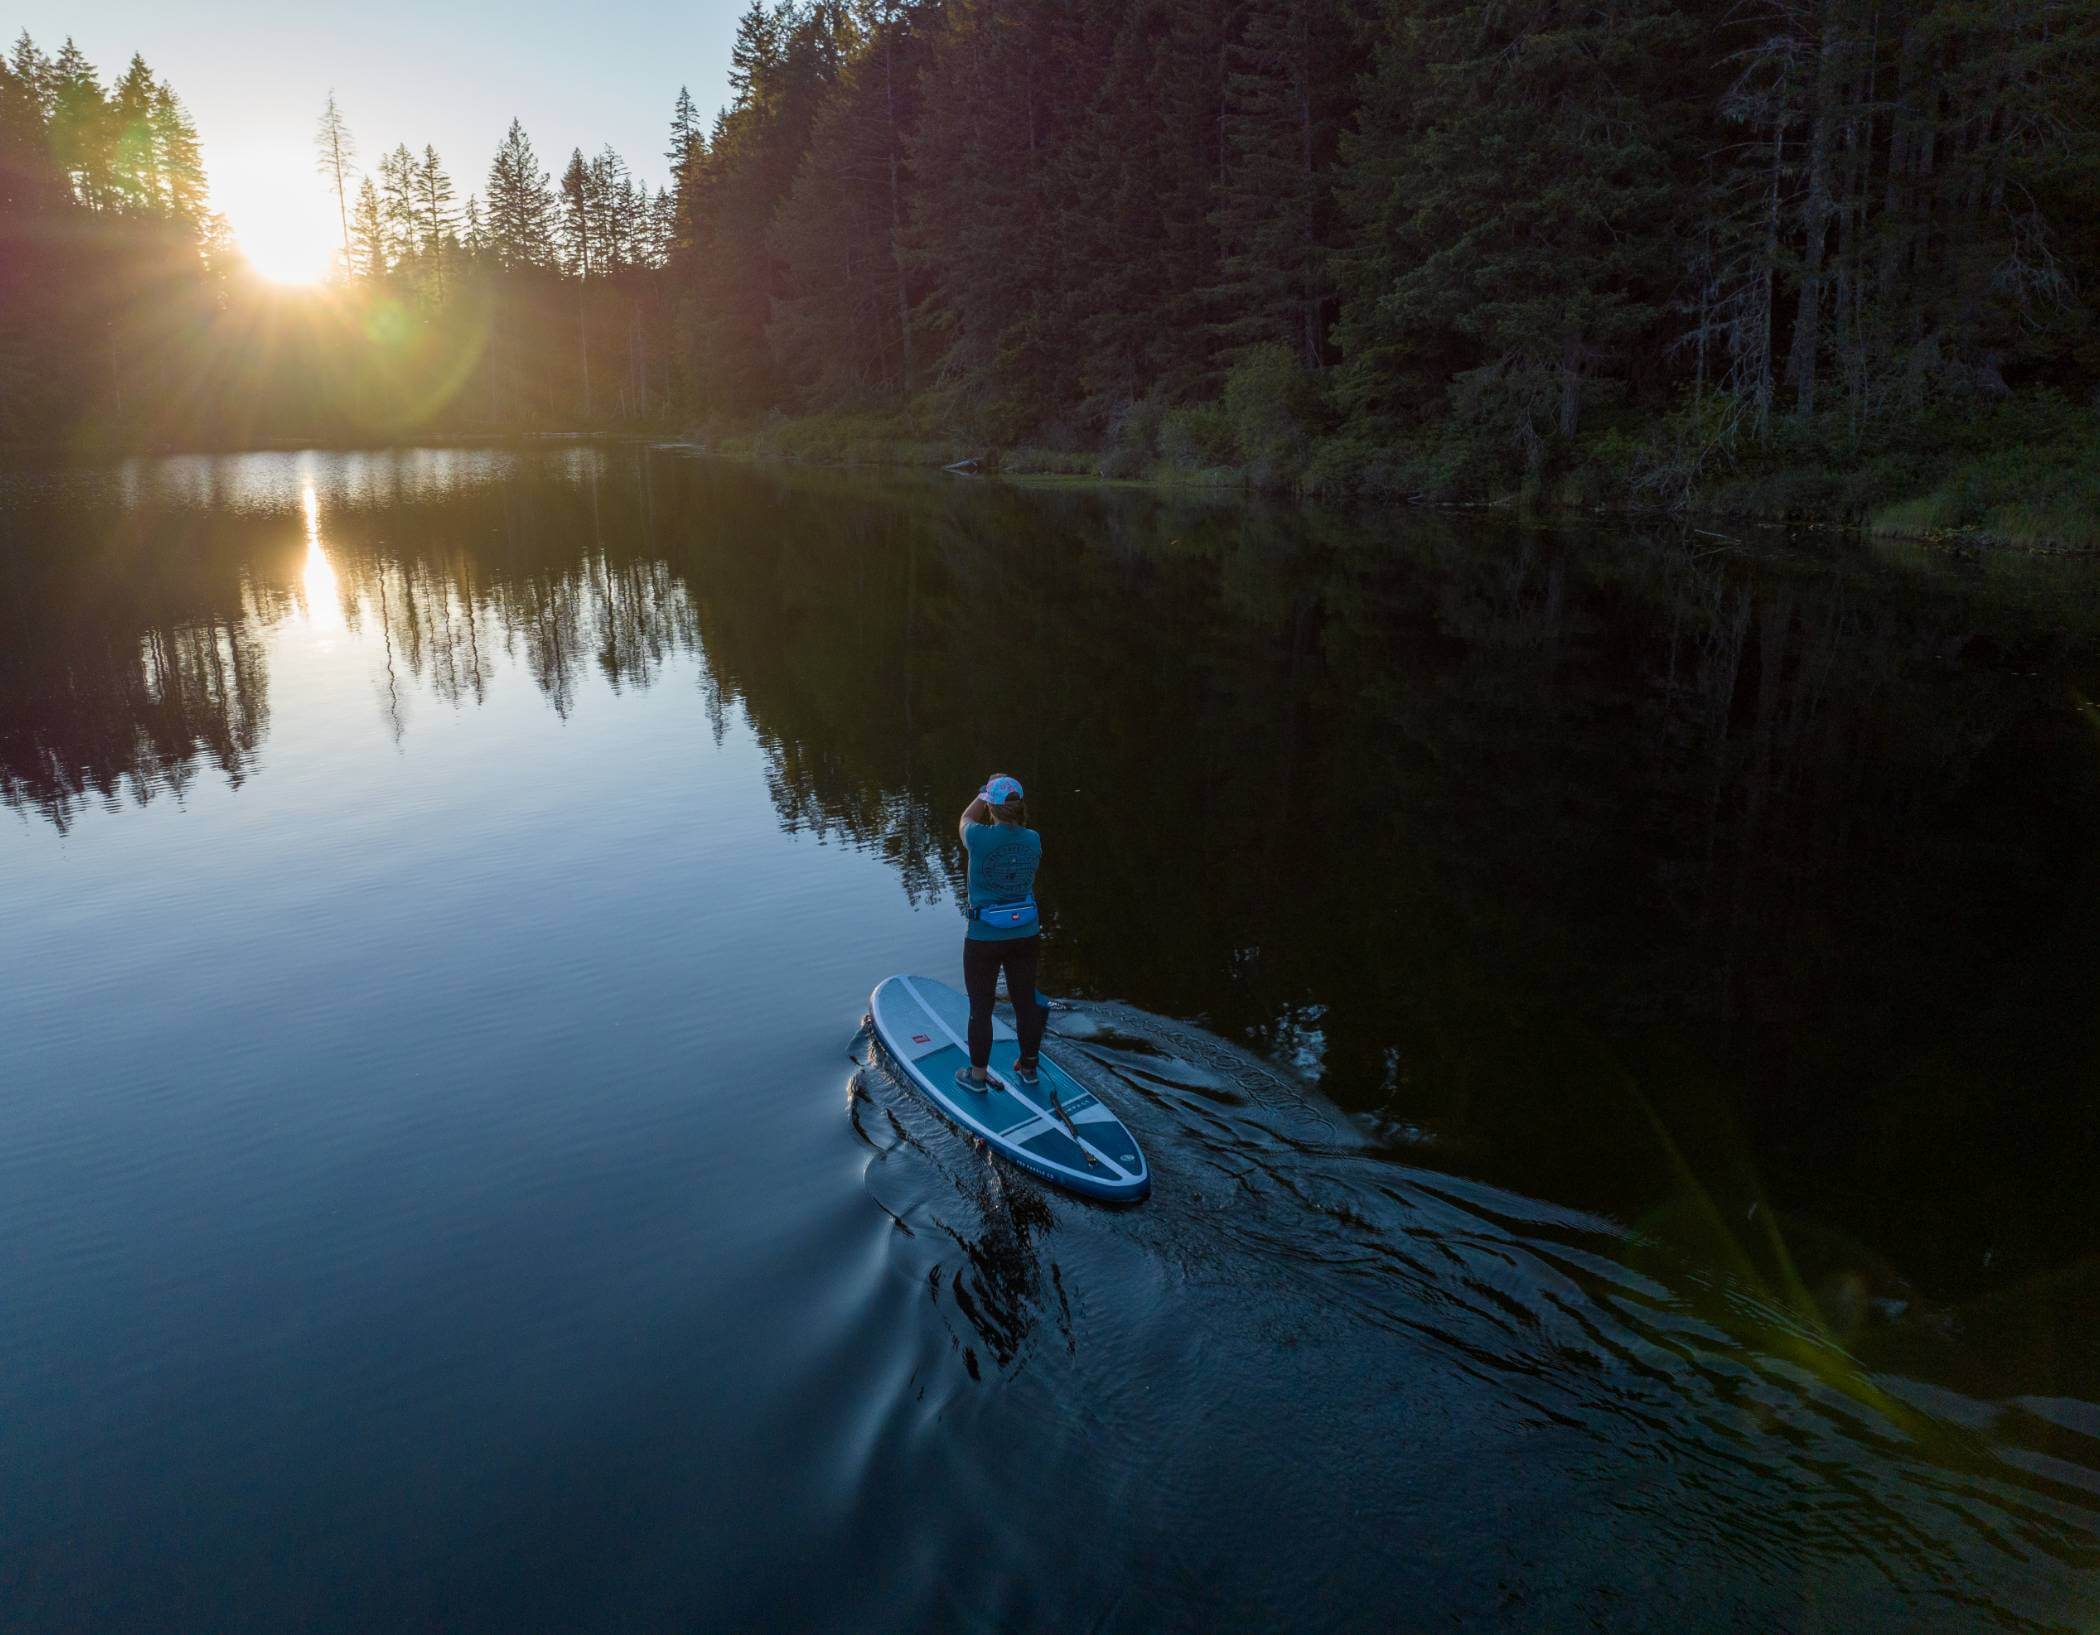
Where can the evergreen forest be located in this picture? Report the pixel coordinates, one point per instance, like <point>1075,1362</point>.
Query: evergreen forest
<point>1807,259</point>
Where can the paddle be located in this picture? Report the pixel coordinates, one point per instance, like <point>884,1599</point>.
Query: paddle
<point>1071,1129</point>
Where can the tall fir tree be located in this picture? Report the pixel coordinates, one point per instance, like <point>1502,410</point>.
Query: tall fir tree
<point>1004,92</point>
<point>79,124</point>
<point>579,219</point>
<point>335,157</point>
<point>369,257</point>
<point>520,207</point>
<point>686,133</point>
<point>783,64</point>
<point>1144,170</point>
<point>134,155</point>
<point>398,201</point>
<point>1288,98</point>
<point>437,222</point>
<point>179,159</point>
<point>36,74</point>
<point>842,328</point>
<point>473,232</point>
<point>1511,190</point>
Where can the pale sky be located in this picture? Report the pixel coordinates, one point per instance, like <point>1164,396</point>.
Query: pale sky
<point>254,76</point>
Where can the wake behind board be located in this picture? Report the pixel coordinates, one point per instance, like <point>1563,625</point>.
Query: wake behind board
<point>922,1024</point>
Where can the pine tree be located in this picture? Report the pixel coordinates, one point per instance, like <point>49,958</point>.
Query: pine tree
<point>133,160</point>
<point>579,218</point>
<point>609,198</point>
<point>31,194</point>
<point>179,158</point>
<point>579,214</point>
<point>842,328</point>
<point>783,65</point>
<point>1511,197</point>
<point>30,185</point>
<point>473,234</point>
<point>79,124</point>
<point>688,154</point>
<point>755,55</point>
<point>335,157</point>
<point>686,134</point>
<point>436,222</point>
<point>400,205</point>
<point>1287,96</point>
<point>631,223</point>
<point>1136,225</point>
<point>663,226</point>
<point>1004,90</point>
<point>37,75</point>
<point>520,209</point>
<point>369,245</point>
<point>22,145</point>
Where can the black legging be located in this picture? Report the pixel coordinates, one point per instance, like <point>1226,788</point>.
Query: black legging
<point>982,961</point>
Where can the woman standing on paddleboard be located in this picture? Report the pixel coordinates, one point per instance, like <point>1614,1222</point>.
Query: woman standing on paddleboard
<point>1004,931</point>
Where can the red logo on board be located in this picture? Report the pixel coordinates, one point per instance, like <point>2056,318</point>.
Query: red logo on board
<point>922,1038</point>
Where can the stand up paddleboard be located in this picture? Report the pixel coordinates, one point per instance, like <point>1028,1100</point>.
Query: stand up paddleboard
<point>1071,1140</point>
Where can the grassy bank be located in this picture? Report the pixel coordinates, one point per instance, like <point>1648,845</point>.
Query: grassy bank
<point>2019,473</point>
<point>2016,473</point>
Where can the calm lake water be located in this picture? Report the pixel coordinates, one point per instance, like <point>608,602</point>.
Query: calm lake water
<point>1614,1017</point>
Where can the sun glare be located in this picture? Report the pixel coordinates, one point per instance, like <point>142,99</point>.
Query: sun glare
<point>286,254</point>
<point>287,228</point>
<point>324,606</point>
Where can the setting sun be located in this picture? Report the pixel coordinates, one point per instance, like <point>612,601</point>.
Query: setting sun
<point>285,258</point>
<point>286,229</point>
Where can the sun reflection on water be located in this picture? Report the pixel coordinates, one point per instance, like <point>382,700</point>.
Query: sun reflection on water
<point>324,606</point>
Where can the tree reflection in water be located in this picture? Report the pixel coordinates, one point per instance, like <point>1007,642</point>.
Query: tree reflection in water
<point>1623,866</point>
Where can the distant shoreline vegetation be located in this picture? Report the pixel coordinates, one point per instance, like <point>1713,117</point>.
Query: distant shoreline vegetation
<point>2026,477</point>
<point>1835,263</point>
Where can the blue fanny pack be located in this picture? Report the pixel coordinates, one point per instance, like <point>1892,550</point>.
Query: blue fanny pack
<point>1019,916</point>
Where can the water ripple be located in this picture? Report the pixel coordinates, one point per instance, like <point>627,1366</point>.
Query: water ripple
<point>1367,1314</point>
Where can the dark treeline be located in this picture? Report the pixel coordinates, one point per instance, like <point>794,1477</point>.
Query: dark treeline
<point>109,253</point>
<point>1430,246</point>
<point>1437,248</point>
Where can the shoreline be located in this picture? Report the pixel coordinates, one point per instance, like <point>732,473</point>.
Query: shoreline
<point>827,443</point>
<point>1045,469</point>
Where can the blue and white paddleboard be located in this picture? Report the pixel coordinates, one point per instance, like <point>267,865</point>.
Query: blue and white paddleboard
<point>1074,1141</point>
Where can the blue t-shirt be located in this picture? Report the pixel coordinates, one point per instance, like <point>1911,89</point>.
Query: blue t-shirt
<point>1003,857</point>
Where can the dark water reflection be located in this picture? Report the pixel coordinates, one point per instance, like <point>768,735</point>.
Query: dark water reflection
<point>1693,946</point>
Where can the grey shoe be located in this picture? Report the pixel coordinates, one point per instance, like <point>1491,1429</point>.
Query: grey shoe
<point>976,1087</point>
<point>1025,1071</point>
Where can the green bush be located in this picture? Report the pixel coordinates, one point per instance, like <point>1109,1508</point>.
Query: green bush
<point>2022,470</point>
<point>1134,428</point>
<point>2046,495</point>
<point>1434,467</point>
<point>1197,436</point>
<point>1220,476</point>
<point>1123,464</point>
<point>1341,465</point>
<point>1273,407</point>
<point>1919,518</point>
<point>838,439</point>
<point>1045,462</point>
